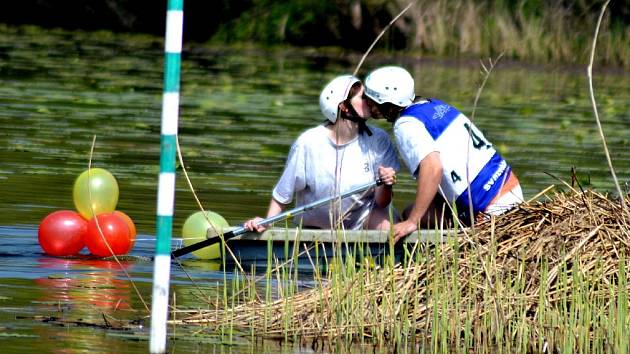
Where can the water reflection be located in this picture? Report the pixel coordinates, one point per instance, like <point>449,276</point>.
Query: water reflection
<point>86,285</point>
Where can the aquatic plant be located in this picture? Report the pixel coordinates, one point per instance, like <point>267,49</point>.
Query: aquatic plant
<point>548,275</point>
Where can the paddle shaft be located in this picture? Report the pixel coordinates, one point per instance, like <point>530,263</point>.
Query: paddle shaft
<point>287,214</point>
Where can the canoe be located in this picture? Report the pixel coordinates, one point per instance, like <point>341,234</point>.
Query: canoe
<point>311,246</point>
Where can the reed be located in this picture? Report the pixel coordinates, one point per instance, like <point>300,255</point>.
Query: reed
<point>534,31</point>
<point>548,276</point>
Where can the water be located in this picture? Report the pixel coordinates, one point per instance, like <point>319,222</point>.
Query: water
<point>241,109</point>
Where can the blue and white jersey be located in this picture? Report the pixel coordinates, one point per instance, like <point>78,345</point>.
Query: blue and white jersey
<point>468,158</point>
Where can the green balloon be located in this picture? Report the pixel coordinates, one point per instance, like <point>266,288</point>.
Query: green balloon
<point>95,191</point>
<point>196,229</point>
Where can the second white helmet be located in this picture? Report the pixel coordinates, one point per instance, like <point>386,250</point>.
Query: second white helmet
<point>391,84</point>
<point>334,93</point>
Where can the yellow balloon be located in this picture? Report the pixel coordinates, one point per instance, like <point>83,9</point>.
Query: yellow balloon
<point>98,186</point>
<point>196,229</point>
<point>203,264</point>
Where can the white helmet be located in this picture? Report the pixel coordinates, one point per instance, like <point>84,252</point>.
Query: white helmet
<point>334,93</point>
<point>391,84</point>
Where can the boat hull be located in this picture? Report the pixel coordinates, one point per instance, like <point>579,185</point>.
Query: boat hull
<point>316,247</point>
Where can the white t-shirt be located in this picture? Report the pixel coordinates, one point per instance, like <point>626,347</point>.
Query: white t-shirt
<point>315,163</point>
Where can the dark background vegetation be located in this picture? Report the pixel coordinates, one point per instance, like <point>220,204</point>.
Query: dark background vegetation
<point>352,24</point>
<point>299,22</point>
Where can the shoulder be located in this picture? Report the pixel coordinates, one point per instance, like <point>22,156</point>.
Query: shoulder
<point>407,122</point>
<point>377,132</point>
<point>311,136</point>
<point>379,137</point>
<point>408,128</point>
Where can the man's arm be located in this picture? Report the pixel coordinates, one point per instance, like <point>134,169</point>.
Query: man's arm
<point>274,209</point>
<point>429,177</point>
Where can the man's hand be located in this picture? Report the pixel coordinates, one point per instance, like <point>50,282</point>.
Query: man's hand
<point>252,225</point>
<point>387,175</point>
<point>403,229</point>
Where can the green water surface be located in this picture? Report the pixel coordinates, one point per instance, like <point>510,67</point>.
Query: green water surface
<point>241,108</point>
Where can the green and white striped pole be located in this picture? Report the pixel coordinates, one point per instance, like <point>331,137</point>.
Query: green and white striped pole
<point>166,186</point>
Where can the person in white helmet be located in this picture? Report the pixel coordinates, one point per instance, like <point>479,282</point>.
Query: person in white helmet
<point>450,158</point>
<point>342,154</point>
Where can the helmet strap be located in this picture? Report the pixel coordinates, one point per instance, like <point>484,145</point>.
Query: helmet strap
<point>363,128</point>
<point>353,116</point>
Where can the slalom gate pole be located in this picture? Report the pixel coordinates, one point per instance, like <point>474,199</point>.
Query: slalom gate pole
<point>166,183</point>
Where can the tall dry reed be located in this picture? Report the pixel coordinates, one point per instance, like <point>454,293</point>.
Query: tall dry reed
<point>524,280</point>
<point>553,32</point>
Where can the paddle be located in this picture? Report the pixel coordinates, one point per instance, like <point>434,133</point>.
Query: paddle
<point>287,214</point>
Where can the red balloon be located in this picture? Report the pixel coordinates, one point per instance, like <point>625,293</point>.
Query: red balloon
<point>115,233</point>
<point>62,233</point>
<point>132,226</point>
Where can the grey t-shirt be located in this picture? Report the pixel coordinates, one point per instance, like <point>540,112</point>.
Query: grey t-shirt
<point>317,168</point>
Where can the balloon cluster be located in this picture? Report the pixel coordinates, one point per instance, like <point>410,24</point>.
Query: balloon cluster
<point>96,223</point>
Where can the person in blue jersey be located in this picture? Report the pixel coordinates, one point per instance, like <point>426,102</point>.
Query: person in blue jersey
<point>451,159</point>
<point>334,157</point>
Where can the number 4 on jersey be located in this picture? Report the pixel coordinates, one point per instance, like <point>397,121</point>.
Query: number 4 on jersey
<point>455,177</point>
<point>477,141</point>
